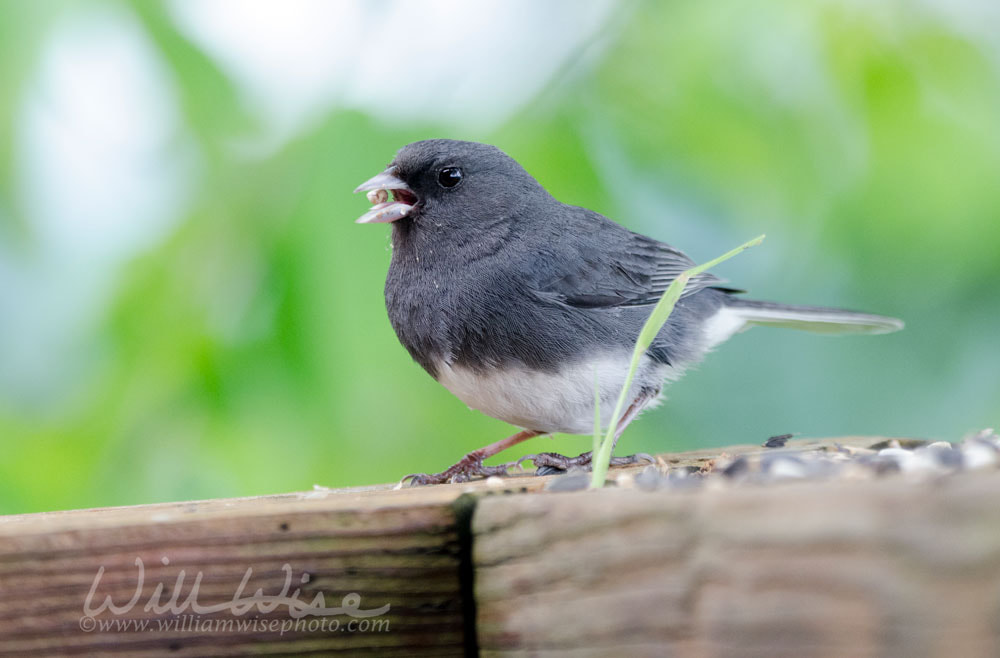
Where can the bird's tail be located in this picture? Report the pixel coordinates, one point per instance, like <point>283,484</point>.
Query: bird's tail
<point>810,318</point>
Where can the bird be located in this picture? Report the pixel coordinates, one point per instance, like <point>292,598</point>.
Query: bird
<point>527,309</point>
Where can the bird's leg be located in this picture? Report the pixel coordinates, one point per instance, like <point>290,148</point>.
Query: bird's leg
<point>472,464</point>
<point>551,463</point>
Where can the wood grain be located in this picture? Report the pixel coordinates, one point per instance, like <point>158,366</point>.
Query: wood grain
<point>831,568</point>
<point>886,567</point>
<point>395,548</point>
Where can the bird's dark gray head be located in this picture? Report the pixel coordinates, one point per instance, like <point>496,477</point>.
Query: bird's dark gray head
<point>452,189</point>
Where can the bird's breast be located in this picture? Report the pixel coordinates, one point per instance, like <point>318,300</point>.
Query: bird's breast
<point>418,301</point>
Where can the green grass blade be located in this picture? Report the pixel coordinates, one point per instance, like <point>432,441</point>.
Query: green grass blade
<point>658,318</point>
<point>597,413</point>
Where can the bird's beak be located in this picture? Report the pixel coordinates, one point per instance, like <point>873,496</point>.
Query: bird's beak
<point>384,210</point>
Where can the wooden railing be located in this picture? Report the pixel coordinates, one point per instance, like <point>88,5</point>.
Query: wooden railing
<point>832,567</point>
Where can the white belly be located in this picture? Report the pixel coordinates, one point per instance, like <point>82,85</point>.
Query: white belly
<point>551,402</point>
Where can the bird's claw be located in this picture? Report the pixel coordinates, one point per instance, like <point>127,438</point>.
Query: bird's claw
<point>551,463</point>
<point>463,471</point>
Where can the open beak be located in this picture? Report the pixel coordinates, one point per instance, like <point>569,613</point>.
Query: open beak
<point>379,189</point>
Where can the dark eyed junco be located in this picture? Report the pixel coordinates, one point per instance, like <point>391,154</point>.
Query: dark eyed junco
<point>520,304</point>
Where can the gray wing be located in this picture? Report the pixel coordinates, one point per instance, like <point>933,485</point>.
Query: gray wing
<point>616,267</point>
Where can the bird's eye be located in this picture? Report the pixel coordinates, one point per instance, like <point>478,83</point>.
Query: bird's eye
<point>449,177</point>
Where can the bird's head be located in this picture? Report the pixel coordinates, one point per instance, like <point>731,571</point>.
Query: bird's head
<point>442,185</point>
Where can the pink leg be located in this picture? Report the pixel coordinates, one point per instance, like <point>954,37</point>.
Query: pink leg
<point>645,397</point>
<point>472,464</point>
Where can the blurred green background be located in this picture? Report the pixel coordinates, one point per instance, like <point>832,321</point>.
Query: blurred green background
<point>188,311</point>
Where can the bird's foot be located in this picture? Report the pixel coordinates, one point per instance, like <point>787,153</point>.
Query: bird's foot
<point>464,470</point>
<point>551,463</point>
<point>472,464</point>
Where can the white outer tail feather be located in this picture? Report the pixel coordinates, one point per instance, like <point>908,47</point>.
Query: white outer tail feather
<point>742,314</point>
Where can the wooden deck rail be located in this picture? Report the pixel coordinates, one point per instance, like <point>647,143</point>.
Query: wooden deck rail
<point>888,566</point>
